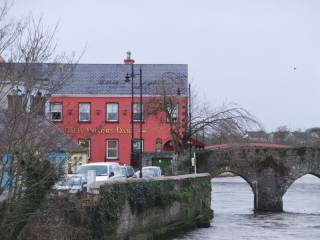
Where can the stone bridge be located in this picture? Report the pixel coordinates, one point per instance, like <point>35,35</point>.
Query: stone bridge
<point>269,169</point>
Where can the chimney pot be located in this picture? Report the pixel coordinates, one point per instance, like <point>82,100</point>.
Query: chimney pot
<point>128,60</point>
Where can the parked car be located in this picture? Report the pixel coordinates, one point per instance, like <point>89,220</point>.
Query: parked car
<point>71,184</point>
<point>150,171</point>
<point>104,170</point>
<point>127,171</point>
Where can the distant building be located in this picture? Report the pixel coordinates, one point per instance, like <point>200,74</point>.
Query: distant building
<point>257,136</point>
<point>314,132</point>
<point>63,151</point>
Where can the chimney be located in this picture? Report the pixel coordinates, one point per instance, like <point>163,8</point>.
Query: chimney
<point>128,60</point>
<point>1,60</point>
<point>38,104</point>
<point>15,104</point>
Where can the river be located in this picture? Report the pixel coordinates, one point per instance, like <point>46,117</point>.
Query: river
<point>234,218</point>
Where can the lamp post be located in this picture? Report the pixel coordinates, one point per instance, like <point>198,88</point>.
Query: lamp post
<point>189,118</point>
<point>131,76</point>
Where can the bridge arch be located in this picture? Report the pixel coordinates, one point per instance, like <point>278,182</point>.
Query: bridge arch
<point>251,182</point>
<point>294,179</point>
<point>242,176</point>
<point>238,173</point>
<point>302,195</point>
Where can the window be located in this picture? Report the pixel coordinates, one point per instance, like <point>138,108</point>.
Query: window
<point>137,112</point>
<point>137,144</point>
<point>84,112</point>
<point>173,113</point>
<point>158,144</point>
<point>56,112</point>
<point>112,149</point>
<point>86,143</point>
<point>112,112</point>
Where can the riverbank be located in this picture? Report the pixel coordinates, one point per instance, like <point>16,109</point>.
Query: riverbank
<point>128,209</point>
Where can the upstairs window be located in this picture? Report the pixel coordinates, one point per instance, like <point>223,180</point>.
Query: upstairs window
<point>56,112</point>
<point>137,110</point>
<point>84,112</point>
<point>112,149</point>
<point>172,113</point>
<point>112,112</point>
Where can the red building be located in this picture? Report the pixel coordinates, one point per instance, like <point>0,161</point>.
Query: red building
<point>94,108</point>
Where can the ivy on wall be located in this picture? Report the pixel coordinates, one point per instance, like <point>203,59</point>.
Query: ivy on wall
<point>142,195</point>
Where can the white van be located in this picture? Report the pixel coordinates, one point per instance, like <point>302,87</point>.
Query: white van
<point>104,170</point>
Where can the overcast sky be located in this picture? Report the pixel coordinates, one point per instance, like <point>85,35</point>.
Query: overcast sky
<point>244,51</point>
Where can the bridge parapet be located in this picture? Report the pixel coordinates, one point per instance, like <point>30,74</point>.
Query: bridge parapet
<point>269,171</point>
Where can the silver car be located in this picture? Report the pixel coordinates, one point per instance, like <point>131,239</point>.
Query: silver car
<point>71,184</point>
<point>150,171</point>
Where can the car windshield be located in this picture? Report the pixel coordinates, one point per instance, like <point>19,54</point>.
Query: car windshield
<point>70,181</point>
<point>155,170</point>
<point>123,171</point>
<point>100,170</point>
<point>147,173</point>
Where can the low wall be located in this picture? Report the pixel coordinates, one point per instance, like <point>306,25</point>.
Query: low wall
<point>132,209</point>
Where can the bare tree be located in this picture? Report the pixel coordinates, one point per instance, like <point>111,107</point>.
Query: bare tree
<point>170,92</point>
<point>229,121</point>
<point>27,139</point>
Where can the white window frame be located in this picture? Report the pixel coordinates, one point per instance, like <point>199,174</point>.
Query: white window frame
<point>133,109</point>
<point>142,142</point>
<point>108,110</point>
<point>79,115</point>
<point>89,145</point>
<point>51,112</point>
<point>107,149</point>
<point>170,118</point>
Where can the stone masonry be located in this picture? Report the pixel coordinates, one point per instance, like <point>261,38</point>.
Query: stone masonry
<point>268,171</point>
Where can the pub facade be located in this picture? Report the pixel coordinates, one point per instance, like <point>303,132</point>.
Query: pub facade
<point>99,109</point>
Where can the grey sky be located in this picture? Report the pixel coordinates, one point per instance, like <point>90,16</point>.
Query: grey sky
<point>243,51</point>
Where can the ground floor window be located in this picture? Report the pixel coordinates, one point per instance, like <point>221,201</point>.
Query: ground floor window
<point>112,149</point>
<point>137,144</point>
<point>86,143</point>
<point>158,144</point>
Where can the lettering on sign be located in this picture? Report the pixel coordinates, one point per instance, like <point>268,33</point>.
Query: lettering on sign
<point>117,129</point>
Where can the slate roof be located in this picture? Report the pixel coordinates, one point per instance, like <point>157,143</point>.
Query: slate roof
<point>43,133</point>
<point>110,79</point>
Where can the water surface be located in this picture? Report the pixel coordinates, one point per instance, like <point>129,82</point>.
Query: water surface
<point>234,217</point>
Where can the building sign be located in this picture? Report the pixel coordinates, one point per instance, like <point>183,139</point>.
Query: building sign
<point>89,130</point>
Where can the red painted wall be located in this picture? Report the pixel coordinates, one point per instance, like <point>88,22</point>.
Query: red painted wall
<point>154,126</point>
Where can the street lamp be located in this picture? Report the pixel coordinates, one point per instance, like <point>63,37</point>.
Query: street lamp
<point>128,78</point>
<point>189,117</point>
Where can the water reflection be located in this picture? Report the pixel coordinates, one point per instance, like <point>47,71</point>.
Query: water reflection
<point>235,218</point>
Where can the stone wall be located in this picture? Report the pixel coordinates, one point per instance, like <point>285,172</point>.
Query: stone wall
<point>128,209</point>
